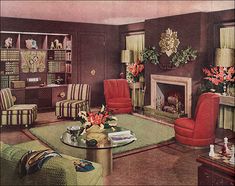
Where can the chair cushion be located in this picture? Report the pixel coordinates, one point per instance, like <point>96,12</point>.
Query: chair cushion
<point>20,109</point>
<point>184,127</point>
<point>185,123</point>
<point>119,102</point>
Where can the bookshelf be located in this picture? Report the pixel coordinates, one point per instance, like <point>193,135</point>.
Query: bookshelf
<point>46,57</point>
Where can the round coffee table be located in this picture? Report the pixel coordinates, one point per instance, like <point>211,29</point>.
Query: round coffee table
<point>102,152</point>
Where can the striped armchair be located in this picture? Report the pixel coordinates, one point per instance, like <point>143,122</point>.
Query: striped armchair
<point>78,99</point>
<point>22,114</point>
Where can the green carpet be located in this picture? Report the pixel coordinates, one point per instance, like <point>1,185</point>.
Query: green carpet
<point>147,133</point>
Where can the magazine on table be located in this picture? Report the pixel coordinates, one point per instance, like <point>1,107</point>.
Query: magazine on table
<point>122,136</point>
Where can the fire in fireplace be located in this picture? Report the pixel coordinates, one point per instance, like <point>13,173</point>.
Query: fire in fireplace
<point>170,98</point>
<point>171,94</point>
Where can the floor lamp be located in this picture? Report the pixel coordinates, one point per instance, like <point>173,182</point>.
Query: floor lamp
<point>224,57</point>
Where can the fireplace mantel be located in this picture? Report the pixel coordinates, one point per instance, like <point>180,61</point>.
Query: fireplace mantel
<point>173,80</point>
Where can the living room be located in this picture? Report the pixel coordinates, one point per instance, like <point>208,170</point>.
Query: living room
<point>164,53</point>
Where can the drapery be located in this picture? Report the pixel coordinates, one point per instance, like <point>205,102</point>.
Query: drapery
<point>227,36</point>
<point>227,114</point>
<point>135,43</point>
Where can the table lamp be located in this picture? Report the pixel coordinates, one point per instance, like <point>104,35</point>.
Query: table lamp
<point>127,56</point>
<point>224,57</point>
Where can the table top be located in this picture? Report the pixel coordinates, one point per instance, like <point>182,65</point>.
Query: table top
<point>80,140</point>
<point>220,163</point>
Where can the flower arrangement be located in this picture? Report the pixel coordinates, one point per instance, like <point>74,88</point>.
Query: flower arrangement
<point>100,120</point>
<point>136,70</point>
<point>217,75</point>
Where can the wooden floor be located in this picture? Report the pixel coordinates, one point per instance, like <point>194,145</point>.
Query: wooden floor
<point>171,164</point>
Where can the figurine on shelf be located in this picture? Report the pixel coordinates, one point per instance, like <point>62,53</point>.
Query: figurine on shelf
<point>31,44</point>
<point>8,42</point>
<point>58,45</point>
<point>59,80</point>
<point>52,46</point>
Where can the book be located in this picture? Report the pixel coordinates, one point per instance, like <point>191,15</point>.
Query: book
<point>121,137</point>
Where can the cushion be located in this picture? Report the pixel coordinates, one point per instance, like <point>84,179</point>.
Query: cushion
<point>119,102</point>
<point>83,178</point>
<point>6,99</point>
<point>78,92</point>
<point>21,109</point>
<point>185,123</point>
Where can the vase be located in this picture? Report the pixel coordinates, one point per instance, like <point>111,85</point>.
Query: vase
<point>95,132</point>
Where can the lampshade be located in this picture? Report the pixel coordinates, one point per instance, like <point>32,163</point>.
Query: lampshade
<point>224,57</point>
<point>127,56</point>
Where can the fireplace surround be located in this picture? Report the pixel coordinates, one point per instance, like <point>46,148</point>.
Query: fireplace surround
<point>186,82</point>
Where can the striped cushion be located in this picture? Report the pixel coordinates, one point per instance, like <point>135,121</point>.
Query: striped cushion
<point>78,92</point>
<point>6,99</point>
<point>19,115</point>
<point>71,108</point>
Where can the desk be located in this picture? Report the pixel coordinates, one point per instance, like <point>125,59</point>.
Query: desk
<point>226,113</point>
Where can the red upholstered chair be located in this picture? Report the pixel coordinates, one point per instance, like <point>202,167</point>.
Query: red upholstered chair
<point>199,131</point>
<point>117,96</point>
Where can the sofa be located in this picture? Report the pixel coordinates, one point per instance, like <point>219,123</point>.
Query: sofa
<point>55,171</point>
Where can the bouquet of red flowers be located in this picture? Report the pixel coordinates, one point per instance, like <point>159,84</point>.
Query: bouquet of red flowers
<point>136,70</point>
<point>218,75</point>
<point>102,119</point>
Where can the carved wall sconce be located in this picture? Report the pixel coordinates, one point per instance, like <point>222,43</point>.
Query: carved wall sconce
<point>169,42</point>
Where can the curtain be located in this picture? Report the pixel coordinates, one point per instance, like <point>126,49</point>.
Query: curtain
<point>227,37</point>
<point>227,115</point>
<point>136,44</point>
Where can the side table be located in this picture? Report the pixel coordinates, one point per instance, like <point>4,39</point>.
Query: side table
<point>136,89</point>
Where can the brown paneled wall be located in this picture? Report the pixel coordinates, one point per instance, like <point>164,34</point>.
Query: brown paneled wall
<point>78,30</point>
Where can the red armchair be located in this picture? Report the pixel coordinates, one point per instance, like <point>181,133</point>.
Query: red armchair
<point>117,96</point>
<point>199,131</point>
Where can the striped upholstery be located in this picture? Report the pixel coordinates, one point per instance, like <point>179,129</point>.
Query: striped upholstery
<point>22,114</point>
<point>78,99</point>
<point>6,99</point>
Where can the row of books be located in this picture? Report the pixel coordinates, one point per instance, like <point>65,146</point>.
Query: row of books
<point>10,55</point>
<point>121,137</point>
<point>68,68</point>
<point>12,67</point>
<point>6,80</point>
<point>59,55</point>
<point>56,66</point>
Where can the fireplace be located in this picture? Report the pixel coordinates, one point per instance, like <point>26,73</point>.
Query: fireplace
<point>171,94</point>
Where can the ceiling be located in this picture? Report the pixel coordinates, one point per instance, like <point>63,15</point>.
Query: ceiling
<point>106,12</point>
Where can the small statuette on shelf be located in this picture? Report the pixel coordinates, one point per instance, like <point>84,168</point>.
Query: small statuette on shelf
<point>58,45</point>
<point>8,42</point>
<point>52,46</point>
<point>68,45</point>
<point>31,44</point>
<point>212,151</point>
